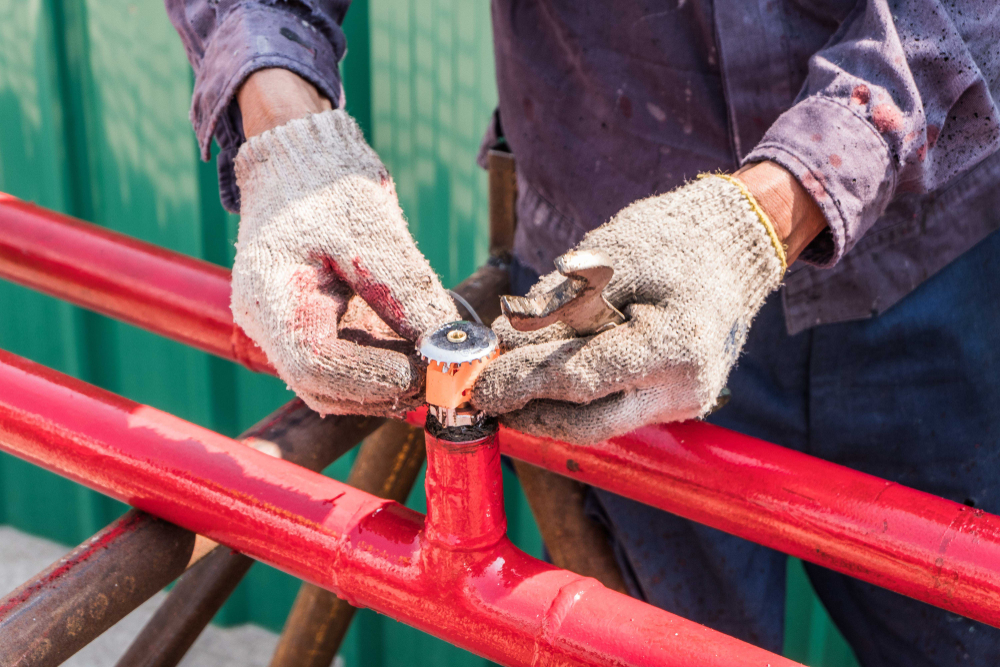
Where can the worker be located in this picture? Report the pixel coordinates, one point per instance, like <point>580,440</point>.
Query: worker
<point>807,189</point>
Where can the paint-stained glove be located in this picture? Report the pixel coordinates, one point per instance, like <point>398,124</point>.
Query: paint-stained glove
<point>327,279</point>
<point>692,268</point>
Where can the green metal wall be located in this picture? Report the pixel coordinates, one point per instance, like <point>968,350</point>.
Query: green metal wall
<point>94,101</point>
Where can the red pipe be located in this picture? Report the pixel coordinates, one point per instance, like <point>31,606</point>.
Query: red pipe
<point>466,482</point>
<point>935,550</point>
<point>495,601</point>
<point>910,542</point>
<point>162,291</point>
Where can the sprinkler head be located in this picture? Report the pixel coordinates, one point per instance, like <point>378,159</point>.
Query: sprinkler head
<point>456,354</point>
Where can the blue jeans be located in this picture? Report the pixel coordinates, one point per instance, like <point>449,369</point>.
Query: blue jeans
<point>912,396</point>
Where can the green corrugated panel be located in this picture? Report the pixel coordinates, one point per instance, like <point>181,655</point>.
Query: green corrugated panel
<point>810,636</point>
<point>94,96</point>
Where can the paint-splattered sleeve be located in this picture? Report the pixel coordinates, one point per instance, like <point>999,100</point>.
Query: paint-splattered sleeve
<point>902,99</point>
<point>227,40</point>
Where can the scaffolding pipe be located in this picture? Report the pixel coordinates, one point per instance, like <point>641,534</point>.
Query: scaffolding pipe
<point>165,292</point>
<point>932,549</point>
<point>483,595</point>
<point>917,544</point>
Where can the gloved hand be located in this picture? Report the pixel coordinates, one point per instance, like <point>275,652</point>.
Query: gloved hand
<point>327,279</point>
<point>692,268</point>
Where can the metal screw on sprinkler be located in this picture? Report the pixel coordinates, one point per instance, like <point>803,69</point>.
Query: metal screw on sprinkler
<point>456,354</point>
<point>457,336</point>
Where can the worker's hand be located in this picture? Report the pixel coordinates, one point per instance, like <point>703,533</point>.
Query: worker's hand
<point>692,268</point>
<point>327,279</point>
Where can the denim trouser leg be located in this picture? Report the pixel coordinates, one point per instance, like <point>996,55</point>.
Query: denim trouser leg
<point>912,396</point>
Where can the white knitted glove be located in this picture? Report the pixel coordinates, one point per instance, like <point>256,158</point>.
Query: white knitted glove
<point>321,224</point>
<point>692,268</point>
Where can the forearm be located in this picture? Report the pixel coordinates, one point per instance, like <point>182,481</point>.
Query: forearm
<point>796,217</point>
<point>272,97</point>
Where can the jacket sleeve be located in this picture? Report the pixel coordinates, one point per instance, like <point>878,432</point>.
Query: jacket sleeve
<point>227,40</point>
<point>901,99</point>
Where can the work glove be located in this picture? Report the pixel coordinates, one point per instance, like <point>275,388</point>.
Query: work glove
<point>692,268</point>
<point>327,279</point>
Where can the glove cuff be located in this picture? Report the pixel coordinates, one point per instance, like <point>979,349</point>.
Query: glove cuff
<point>310,151</point>
<point>779,247</point>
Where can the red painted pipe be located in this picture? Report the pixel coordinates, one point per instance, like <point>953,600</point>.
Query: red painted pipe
<point>466,483</point>
<point>935,550</point>
<point>495,601</point>
<point>913,543</point>
<point>165,292</point>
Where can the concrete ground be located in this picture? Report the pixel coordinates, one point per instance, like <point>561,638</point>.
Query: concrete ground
<point>22,556</point>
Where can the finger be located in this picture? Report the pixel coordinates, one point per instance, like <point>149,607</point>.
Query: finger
<point>638,354</point>
<point>371,250</point>
<point>360,324</point>
<point>599,420</point>
<point>295,321</point>
<point>510,338</point>
<point>362,374</point>
<point>331,405</point>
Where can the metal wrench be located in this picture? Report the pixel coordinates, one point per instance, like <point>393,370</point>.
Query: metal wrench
<point>578,301</point>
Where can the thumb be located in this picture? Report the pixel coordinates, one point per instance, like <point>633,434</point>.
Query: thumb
<point>400,286</point>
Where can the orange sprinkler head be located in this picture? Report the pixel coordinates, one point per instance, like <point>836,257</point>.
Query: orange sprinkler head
<point>456,354</point>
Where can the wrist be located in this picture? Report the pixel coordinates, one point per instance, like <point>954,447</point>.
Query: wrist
<point>272,97</point>
<point>796,217</point>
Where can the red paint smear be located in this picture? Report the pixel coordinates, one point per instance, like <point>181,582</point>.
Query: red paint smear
<point>922,153</point>
<point>388,183</point>
<point>248,353</point>
<point>380,298</point>
<point>625,104</point>
<point>817,137</point>
<point>814,183</point>
<point>887,118</point>
<point>860,95</point>
<point>933,131</point>
<point>102,541</point>
<point>529,109</point>
<point>835,160</point>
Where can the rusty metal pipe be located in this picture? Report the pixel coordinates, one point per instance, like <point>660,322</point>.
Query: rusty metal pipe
<point>573,540</point>
<point>294,433</point>
<point>497,601</point>
<point>74,601</point>
<point>65,607</point>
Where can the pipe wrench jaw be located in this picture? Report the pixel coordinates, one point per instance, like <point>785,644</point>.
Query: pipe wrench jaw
<point>578,301</point>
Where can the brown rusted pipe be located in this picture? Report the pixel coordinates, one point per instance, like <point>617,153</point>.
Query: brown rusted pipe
<point>71,603</point>
<point>502,201</point>
<point>387,466</point>
<point>296,434</point>
<point>191,605</point>
<point>74,600</point>
<point>575,543</point>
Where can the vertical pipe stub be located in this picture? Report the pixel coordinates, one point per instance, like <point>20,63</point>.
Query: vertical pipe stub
<point>456,354</point>
<point>464,481</point>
